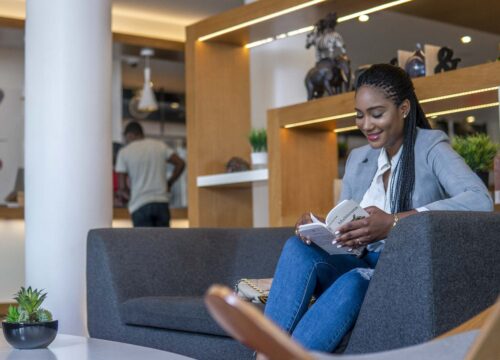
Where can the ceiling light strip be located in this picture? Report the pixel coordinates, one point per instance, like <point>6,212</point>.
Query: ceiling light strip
<point>467,108</point>
<point>318,120</point>
<point>260,19</point>
<point>344,129</point>
<point>371,10</point>
<point>458,94</point>
<point>341,19</point>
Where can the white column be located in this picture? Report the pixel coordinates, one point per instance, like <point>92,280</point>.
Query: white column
<point>116,95</point>
<point>68,147</point>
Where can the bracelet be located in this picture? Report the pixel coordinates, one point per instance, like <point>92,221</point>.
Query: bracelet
<point>396,219</point>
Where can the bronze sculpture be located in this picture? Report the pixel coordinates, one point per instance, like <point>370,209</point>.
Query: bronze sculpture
<point>332,71</point>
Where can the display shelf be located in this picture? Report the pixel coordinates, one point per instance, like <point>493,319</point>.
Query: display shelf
<point>485,76</point>
<point>236,178</point>
<point>119,213</point>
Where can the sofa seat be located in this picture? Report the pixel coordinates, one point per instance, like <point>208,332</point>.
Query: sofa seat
<point>181,313</point>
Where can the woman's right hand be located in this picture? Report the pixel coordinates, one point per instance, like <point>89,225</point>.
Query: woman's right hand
<point>305,219</point>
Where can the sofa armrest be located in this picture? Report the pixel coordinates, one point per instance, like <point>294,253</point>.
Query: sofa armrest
<point>437,270</point>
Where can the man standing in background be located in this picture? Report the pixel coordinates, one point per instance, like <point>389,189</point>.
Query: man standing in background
<point>144,161</point>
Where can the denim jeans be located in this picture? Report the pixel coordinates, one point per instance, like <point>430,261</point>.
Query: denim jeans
<point>151,215</point>
<point>339,283</point>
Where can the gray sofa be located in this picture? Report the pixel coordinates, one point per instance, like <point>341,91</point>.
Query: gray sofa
<point>145,286</point>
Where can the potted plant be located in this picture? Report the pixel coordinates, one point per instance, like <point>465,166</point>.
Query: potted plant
<point>478,152</point>
<point>258,141</point>
<point>28,325</point>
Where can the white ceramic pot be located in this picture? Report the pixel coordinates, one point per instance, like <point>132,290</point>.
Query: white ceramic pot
<point>259,159</point>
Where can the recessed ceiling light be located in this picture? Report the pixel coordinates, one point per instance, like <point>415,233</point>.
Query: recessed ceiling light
<point>465,39</point>
<point>364,18</point>
<point>470,119</point>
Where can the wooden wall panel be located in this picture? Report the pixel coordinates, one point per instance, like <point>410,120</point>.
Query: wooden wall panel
<point>303,165</point>
<point>218,123</point>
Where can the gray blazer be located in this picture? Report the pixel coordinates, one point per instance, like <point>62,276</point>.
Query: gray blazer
<point>442,179</point>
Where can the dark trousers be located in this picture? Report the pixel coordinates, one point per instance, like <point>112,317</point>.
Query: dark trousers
<point>152,215</point>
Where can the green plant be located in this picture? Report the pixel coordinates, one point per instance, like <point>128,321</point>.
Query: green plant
<point>28,307</point>
<point>258,140</point>
<point>477,150</point>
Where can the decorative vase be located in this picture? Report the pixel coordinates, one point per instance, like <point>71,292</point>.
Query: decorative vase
<point>259,160</point>
<point>415,65</point>
<point>30,335</point>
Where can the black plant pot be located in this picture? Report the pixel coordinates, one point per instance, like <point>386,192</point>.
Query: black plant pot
<point>30,335</point>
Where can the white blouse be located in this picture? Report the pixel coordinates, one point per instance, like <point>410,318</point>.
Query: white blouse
<point>376,194</point>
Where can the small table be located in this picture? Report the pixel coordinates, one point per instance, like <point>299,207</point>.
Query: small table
<point>69,347</point>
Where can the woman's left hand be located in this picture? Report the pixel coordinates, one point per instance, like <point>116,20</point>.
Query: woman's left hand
<point>362,232</point>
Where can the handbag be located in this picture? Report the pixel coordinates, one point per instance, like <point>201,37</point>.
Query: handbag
<point>253,290</point>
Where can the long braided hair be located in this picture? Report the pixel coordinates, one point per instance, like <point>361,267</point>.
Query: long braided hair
<point>397,86</point>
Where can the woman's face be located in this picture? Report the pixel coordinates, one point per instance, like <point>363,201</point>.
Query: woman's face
<point>379,119</point>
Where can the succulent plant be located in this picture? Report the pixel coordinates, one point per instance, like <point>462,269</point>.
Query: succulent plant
<point>258,140</point>
<point>28,309</point>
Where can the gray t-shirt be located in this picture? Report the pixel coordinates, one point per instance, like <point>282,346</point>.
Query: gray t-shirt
<point>145,163</point>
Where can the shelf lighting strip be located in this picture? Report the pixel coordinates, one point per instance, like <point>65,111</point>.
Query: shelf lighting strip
<point>458,94</point>
<point>444,97</point>
<point>344,129</point>
<point>319,120</point>
<point>467,108</point>
<point>339,20</point>
<point>259,20</point>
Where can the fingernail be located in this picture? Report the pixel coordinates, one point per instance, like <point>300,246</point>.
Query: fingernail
<point>349,249</point>
<point>308,242</point>
<point>334,242</point>
<point>339,246</point>
<point>337,232</point>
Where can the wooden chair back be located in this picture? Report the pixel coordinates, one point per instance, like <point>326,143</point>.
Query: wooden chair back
<point>249,326</point>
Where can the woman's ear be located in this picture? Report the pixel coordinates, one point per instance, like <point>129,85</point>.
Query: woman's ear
<point>404,108</point>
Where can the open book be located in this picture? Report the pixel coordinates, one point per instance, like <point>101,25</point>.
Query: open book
<point>322,234</point>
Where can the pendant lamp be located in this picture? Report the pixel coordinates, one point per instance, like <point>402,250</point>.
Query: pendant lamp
<point>147,103</point>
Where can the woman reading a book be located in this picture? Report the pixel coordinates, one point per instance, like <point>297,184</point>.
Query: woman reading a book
<point>406,168</point>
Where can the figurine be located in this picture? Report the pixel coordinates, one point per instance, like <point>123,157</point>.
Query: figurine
<point>332,71</point>
<point>445,61</point>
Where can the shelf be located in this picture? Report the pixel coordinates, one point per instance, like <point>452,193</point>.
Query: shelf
<point>236,178</point>
<point>17,213</point>
<point>429,87</point>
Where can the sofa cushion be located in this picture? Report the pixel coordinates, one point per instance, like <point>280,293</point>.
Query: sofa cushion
<point>170,312</point>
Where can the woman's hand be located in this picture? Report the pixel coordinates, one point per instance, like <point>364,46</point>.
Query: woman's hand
<point>362,232</point>
<point>305,219</point>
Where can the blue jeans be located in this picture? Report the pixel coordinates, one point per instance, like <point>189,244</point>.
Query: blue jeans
<point>339,283</point>
<point>152,215</point>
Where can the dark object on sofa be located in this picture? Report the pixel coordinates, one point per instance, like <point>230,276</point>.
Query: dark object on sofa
<point>145,286</point>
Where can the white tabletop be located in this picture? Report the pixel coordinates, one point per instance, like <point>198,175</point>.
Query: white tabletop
<point>68,347</point>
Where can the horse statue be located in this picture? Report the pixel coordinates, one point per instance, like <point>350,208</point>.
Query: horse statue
<point>332,71</point>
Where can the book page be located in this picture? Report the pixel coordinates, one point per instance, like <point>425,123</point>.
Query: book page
<point>346,211</point>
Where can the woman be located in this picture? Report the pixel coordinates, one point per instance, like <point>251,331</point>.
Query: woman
<point>405,169</point>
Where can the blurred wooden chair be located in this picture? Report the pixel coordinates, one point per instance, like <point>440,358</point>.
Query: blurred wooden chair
<point>249,326</point>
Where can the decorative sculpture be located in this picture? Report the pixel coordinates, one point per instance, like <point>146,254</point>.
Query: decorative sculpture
<point>332,72</point>
<point>445,61</point>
